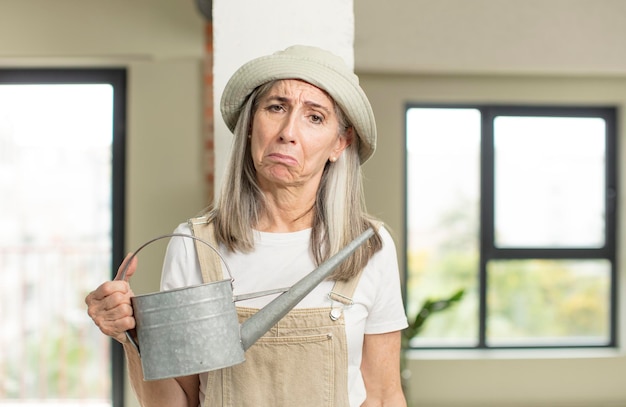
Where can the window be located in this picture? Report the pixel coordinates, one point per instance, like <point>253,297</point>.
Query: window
<point>61,183</point>
<point>515,205</point>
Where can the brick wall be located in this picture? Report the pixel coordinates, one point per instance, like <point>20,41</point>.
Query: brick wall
<point>208,126</point>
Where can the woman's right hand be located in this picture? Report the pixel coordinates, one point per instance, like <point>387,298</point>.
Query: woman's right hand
<point>109,305</point>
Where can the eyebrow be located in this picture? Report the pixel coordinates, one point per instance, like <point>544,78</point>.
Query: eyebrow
<point>283,99</point>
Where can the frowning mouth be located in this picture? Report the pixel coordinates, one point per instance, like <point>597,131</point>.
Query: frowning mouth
<point>282,158</point>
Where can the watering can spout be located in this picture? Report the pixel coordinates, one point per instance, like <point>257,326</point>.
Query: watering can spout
<point>261,322</point>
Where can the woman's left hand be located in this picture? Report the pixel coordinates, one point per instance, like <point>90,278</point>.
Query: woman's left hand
<point>381,370</point>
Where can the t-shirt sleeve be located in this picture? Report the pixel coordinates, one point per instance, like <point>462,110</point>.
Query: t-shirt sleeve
<point>180,266</point>
<point>387,312</point>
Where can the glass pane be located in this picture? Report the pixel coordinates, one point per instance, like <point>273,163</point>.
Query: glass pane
<point>443,186</point>
<point>548,302</point>
<point>549,182</point>
<point>55,242</point>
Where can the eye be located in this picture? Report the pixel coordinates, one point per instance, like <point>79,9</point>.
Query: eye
<point>317,118</point>
<point>275,108</point>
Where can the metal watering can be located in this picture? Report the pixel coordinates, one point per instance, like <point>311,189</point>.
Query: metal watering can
<point>195,329</point>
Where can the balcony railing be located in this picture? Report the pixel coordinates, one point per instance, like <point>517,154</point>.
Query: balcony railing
<point>52,353</point>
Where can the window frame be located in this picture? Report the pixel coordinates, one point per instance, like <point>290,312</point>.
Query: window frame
<point>116,77</point>
<point>487,247</point>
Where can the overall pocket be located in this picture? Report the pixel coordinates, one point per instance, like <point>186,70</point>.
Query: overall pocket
<point>301,361</point>
<point>284,371</point>
<point>279,372</point>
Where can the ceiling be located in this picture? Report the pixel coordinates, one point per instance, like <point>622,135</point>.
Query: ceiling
<point>491,36</point>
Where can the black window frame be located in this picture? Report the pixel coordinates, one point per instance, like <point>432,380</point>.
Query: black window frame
<point>489,251</point>
<point>116,77</point>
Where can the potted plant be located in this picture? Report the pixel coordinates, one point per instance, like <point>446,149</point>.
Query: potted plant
<point>429,307</point>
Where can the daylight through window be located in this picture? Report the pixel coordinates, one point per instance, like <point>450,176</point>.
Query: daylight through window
<point>514,205</point>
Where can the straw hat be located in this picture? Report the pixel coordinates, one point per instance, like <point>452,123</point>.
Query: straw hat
<point>315,66</point>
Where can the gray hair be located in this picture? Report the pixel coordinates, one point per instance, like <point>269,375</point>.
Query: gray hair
<point>339,212</point>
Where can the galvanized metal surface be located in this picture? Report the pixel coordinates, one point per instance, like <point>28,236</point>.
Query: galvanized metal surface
<point>195,329</point>
<point>188,331</point>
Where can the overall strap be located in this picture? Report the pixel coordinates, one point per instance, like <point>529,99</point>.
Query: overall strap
<point>210,263</point>
<point>343,291</point>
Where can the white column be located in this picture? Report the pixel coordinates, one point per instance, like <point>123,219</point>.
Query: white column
<point>246,29</point>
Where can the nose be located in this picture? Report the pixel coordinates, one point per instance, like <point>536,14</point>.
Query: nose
<point>290,129</point>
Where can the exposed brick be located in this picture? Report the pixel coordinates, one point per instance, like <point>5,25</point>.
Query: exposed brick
<point>208,127</point>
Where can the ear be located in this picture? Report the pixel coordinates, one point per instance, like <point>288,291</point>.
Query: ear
<point>343,141</point>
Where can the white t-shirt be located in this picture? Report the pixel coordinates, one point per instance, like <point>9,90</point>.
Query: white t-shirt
<point>282,259</point>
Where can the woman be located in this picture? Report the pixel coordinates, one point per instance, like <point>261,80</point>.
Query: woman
<point>292,197</point>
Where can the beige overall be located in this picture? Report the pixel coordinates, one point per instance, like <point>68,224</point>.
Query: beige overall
<point>302,361</point>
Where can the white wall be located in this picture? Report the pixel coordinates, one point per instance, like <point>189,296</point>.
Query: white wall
<point>99,30</point>
<point>491,36</point>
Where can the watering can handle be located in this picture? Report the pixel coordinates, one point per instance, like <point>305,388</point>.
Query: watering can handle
<point>123,275</point>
